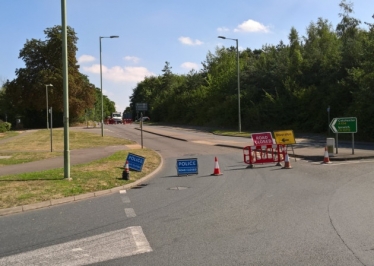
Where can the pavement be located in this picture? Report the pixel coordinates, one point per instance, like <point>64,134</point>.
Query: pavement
<point>308,147</point>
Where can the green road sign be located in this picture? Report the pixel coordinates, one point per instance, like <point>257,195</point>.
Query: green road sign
<point>344,125</point>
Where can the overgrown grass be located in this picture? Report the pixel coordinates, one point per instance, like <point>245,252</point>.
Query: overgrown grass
<point>22,189</point>
<point>36,146</point>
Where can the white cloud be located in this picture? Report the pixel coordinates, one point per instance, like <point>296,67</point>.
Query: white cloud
<point>190,65</point>
<point>85,59</point>
<point>133,59</point>
<point>252,26</point>
<point>121,74</point>
<point>189,41</point>
<point>222,29</point>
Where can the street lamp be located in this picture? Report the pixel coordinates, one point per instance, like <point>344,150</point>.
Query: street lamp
<point>101,87</point>
<point>46,96</point>
<point>237,58</point>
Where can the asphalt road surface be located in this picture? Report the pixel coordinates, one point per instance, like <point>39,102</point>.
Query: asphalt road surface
<point>312,214</point>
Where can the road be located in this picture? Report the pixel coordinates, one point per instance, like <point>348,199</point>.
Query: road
<point>312,214</point>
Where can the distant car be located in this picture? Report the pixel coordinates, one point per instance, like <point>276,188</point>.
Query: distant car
<point>145,118</point>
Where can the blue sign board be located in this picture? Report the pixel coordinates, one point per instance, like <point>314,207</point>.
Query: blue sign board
<point>187,166</point>
<point>135,162</point>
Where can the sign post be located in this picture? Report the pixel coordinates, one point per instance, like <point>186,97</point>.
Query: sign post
<point>141,107</point>
<point>344,125</point>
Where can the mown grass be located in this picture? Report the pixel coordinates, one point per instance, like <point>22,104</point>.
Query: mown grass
<point>8,134</point>
<point>106,173</point>
<point>34,146</point>
<point>231,133</point>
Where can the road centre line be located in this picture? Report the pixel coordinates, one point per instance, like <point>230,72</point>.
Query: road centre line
<point>130,212</point>
<point>125,199</point>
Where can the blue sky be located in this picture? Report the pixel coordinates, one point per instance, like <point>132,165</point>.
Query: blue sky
<point>152,32</point>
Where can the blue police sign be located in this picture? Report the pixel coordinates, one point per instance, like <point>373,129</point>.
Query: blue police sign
<point>187,166</point>
<point>135,162</point>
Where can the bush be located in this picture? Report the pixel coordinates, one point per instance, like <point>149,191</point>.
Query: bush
<point>4,126</point>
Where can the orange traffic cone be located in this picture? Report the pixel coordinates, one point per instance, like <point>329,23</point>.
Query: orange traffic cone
<point>216,167</point>
<point>287,164</point>
<point>126,172</point>
<point>326,158</point>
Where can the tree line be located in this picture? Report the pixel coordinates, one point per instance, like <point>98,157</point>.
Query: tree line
<point>283,86</point>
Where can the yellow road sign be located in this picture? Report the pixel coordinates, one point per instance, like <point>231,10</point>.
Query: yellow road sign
<point>284,137</point>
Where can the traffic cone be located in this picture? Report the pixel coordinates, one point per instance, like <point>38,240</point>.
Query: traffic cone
<point>326,158</point>
<point>216,167</point>
<point>287,164</point>
<point>126,172</point>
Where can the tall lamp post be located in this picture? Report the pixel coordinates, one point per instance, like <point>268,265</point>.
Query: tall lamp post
<point>46,96</point>
<point>101,87</point>
<point>237,59</point>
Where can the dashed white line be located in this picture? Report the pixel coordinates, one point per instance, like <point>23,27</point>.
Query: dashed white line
<point>130,212</point>
<point>122,191</point>
<point>125,199</point>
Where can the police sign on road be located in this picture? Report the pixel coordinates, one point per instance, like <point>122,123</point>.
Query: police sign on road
<point>187,166</point>
<point>135,162</point>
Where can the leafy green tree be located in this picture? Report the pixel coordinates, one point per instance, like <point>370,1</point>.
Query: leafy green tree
<point>363,78</point>
<point>43,65</point>
<point>282,86</point>
<point>4,104</point>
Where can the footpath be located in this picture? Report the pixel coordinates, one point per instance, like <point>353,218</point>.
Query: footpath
<point>308,147</point>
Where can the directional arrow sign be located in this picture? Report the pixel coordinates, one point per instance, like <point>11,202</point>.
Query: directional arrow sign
<point>344,125</point>
<point>284,137</point>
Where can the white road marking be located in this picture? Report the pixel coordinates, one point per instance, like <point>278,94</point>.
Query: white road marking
<point>130,212</point>
<point>334,163</point>
<point>122,191</point>
<point>125,199</point>
<point>112,245</point>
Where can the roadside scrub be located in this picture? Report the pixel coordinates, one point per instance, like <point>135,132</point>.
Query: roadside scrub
<point>106,173</point>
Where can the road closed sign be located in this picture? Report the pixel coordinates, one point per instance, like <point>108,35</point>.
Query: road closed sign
<point>284,137</point>
<point>264,138</point>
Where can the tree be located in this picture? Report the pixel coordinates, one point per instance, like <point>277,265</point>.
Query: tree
<point>43,65</point>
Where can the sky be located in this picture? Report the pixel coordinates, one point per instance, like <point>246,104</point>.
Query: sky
<point>152,32</point>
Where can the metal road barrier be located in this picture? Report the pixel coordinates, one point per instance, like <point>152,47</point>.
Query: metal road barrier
<point>274,153</point>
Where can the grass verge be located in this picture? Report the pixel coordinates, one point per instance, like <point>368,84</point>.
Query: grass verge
<point>231,133</point>
<point>36,145</point>
<point>8,134</point>
<point>106,173</point>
